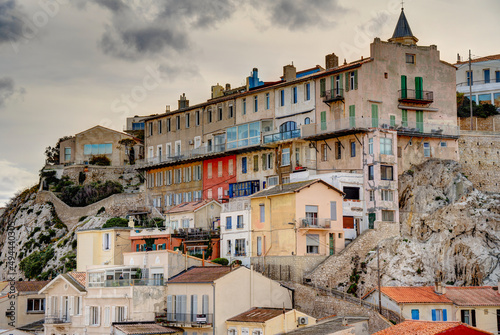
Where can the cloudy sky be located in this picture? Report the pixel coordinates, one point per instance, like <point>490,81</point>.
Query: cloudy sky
<point>67,65</point>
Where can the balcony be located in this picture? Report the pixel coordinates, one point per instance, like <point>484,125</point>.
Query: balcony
<point>236,205</point>
<point>185,320</point>
<point>416,96</point>
<point>281,136</point>
<point>128,282</point>
<point>244,188</point>
<point>57,319</point>
<point>336,94</point>
<point>314,223</point>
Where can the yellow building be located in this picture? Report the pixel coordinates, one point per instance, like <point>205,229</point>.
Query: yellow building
<point>268,321</point>
<point>102,247</point>
<point>302,218</point>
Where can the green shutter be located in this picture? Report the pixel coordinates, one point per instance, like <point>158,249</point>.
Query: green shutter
<point>375,116</point>
<point>418,88</point>
<point>404,94</point>
<point>355,79</point>
<point>420,121</point>
<point>322,87</point>
<point>393,120</point>
<point>341,83</point>
<point>323,120</point>
<point>332,86</point>
<point>404,118</point>
<point>352,116</point>
<point>347,82</point>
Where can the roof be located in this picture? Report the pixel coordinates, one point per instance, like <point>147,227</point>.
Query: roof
<point>329,326</point>
<point>291,188</point>
<point>200,274</point>
<point>418,295</point>
<point>430,328</point>
<point>30,286</point>
<point>258,314</point>
<point>144,328</point>
<point>481,59</point>
<point>402,27</point>
<point>3,284</point>
<point>109,129</point>
<point>190,206</point>
<point>473,296</point>
<point>78,279</point>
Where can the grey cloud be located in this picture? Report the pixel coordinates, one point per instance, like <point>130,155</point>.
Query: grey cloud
<point>171,72</point>
<point>6,89</point>
<point>113,5</point>
<point>11,24</point>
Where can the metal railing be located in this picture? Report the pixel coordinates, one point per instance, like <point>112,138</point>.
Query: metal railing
<point>237,205</point>
<point>479,82</point>
<point>185,318</point>
<point>129,282</point>
<point>57,319</point>
<point>281,136</point>
<point>311,222</point>
<point>419,95</point>
<point>334,94</point>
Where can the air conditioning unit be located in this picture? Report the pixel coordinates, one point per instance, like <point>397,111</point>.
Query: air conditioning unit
<point>191,142</point>
<point>303,320</point>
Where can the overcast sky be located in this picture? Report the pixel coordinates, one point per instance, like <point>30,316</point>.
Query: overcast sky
<point>67,65</point>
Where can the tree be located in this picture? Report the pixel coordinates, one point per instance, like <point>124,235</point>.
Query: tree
<point>52,154</point>
<point>128,143</point>
<point>481,110</point>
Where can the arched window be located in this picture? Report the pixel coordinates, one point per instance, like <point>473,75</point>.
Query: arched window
<point>288,126</point>
<point>307,120</point>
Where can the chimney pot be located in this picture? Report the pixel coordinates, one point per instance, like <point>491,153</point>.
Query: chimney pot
<point>289,72</point>
<point>331,61</point>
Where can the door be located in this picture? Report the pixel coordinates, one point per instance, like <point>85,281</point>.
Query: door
<point>371,220</point>
<point>404,93</point>
<point>419,88</point>
<point>374,116</point>
<point>332,244</point>
<point>420,121</point>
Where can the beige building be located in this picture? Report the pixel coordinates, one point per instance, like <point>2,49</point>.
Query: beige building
<point>268,321</point>
<point>101,247</point>
<point>201,299</point>
<point>97,141</point>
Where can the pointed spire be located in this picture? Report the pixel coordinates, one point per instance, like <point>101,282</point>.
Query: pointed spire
<point>402,33</point>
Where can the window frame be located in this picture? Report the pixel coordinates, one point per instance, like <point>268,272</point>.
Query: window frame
<point>384,169</point>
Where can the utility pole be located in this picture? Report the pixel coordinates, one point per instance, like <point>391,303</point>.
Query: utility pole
<point>378,275</point>
<point>470,90</point>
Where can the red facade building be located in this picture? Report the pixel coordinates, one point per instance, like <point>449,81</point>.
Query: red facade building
<point>218,173</point>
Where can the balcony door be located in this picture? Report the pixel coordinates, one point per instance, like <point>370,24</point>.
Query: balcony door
<point>65,309</point>
<point>420,121</point>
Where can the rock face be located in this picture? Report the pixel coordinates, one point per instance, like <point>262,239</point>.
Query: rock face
<point>450,231</point>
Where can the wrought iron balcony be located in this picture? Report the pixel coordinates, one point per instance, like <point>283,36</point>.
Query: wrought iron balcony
<point>185,319</point>
<point>312,223</point>
<point>335,94</point>
<point>416,96</point>
<point>57,319</point>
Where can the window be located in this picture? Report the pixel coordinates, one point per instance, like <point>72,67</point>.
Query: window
<point>229,247</point>
<point>67,154</point>
<point>410,59</point>
<point>386,146</point>
<point>307,89</point>
<point>256,163</point>
<point>160,127</point>
<point>404,118</point>
<point>415,314</point>
<point>311,216</point>
<point>282,98</point>
<point>231,111</point>
<point>427,149</point>
<point>370,172</point>
<point>239,221</point>
<point>352,81</point>
<point>307,120</point>
<point>209,170</point>
<point>285,157</point>
<point>259,245</point>
<point>273,180</point>
<point>267,101</point>
<point>98,149</point>
<point>177,122</point>
<point>209,116</point>
<point>137,125</point>
<point>219,114</point>
<point>267,161</point>
<point>372,195</point>
<point>486,73</point>
<point>338,150</point>
<point>322,87</point>
<point>94,315</point>
<point>230,167</point>
<point>120,315</point>
<point>187,120</point>
<point>168,177</point>
<point>370,146</point>
<point>387,195</point>
<point>324,152</point>
<point>255,104</point>
<point>469,316</point>
<point>244,106</point>
<point>294,94</point>
<point>168,148</point>
<point>150,128</point>
<point>312,243</point>
<point>353,149</point>
<point>197,118</point>
<point>219,169</point>
<point>187,174</point>
<point>470,78</point>
<point>351,193</point>
<point>177,176</point>
<point>262,209</point>
<point>106,241</point>
<point>239,247</point>
<point>229,224</point>
<point>243,165</point>
<point>386,172</point>
<point>388,216</point>
<point>36,305</point>
<point>232,331</point>
<point>443,144</point>
<point>439,315</point>
<point>198,195</point>
<point>168,125</point>
<point>77,305</point>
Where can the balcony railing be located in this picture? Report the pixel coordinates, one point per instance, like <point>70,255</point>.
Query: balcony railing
<point>57,319</point>
<point>312,222</point>
<point>185,319</point>
<point>416,96</point>
<point>479,82</point>
<point>129,282</point>
<point>333,95</point>
<point>281,136</point>
<point>236,205</point>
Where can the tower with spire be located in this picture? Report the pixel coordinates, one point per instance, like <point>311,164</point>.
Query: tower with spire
<point>402,33</point>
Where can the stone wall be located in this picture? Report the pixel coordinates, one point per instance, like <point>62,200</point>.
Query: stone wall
<point>491,123</point>
<point>289,268</point>
<point>115,205</point>
<point>480,159</point>
<point>337,268</point>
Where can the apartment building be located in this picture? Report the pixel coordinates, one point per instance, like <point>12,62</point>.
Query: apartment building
<point>235,231</point>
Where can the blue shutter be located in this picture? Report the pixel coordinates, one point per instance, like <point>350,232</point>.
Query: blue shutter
<point>137,247</point>
<point>414,314</point>
<point>154,246</point>
<point>445,318</point>
<point>164,246</point>
<point>433,315</point>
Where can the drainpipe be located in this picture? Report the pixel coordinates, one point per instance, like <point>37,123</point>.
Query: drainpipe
<point>213,311</point>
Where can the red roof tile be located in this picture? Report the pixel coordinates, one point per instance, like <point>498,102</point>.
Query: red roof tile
<point>30,286</point>
<point>189,206</point>
<point>79,277</point>
<point>423,294</point>
<point>481,59</point>
<point>431,328</point>
<point>473,296</point>
<point>258,314</point>
<point>201,275</point>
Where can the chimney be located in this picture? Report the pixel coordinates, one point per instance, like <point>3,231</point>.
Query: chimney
<point>183,102</point>
<point>167,109</point>
<point>289,72</point>
<point>228,87</point>
<point>458,57</point>
<point>217,91</point>
<point>438,287</point>
<point>331,61</point>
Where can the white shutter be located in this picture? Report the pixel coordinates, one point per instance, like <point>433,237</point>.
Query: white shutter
<point>333,210</point>
<point>125,313</point>
<point>106,316</point>
<point>194,306</point>
<point>205,304</point>
<point>87,315</point>
<point>71,305</point>
<point>98,315</point>
<point>61,307</point>
<point>113,313</point>
<point>48,306</point>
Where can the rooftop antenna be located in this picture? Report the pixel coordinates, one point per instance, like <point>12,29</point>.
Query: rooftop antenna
<point>402,4</point>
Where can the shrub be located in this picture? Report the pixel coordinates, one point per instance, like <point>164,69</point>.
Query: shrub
<point>74,244</point>
<point>101,160</point>
<point>101,210</point>
<point>82,218</point>
<point>115,222</point>
<point>81,196</point>
<point>222,261</point>
<point>33,265</point>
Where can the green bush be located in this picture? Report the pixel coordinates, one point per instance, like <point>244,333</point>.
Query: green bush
<point>33,265</point>
<point>115,222</point>
<point>81,196</point>
<point>73,244</point>
<point>82,218</point>
<point>101,210</point>
<point>221,261</point>
<point>101,160</point>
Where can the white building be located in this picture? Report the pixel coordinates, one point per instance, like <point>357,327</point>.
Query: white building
<point>235,227</point>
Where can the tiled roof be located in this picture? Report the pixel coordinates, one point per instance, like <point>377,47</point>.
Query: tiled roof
<point>430,328</point>
<point>189,206</point>
<point>290,187</point>
<point>79,279</point>
<point>30,286</point>
<point>144,328</point>
<point>481,59</point>
<point>423,294</point>
<point>201,274</point>
<point>473,296</point>
<point>258,314</point>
